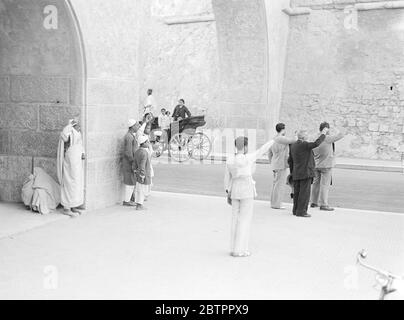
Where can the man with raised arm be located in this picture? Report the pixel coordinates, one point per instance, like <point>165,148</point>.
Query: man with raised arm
<point>278,158</point>
<point>301,162</point>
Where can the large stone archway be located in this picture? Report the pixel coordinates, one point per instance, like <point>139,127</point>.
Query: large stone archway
<point>109,33</point>
<point>41,79</point>
<point>85,66</point>
<point>224,57</point>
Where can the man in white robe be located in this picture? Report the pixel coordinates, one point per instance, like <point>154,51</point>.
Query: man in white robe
<point>150,103</point>
<point>70,168</point>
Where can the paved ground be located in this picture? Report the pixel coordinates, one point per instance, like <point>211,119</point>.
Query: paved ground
<point>179,250</point>
<point>15,219</point>
<point>369,190</point>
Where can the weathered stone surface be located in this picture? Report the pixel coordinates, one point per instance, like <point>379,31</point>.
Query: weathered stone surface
<point>48,164</point>
<point>111,33</point>
<point>15,116</point>
<point>207,64</point>
<point>110,118</point>
<point>104,145</point>
<point>334,74</point>
<point>112,92</point>
<point>91,172</point>
<point>56,117</point>
<point>10,191</point>
<point>4,89</point>
<point>4,142</point>
<point>27,47</point>
<point>374,127</point>
<point>39,144</point>
<point>15,168</point>
<point>164,8</point>
<point>104,195</point>
<point>40,89</point>
<point>242,122</point>
<point>109,170</point>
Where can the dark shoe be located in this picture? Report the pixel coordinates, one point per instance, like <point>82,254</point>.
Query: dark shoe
<point>129,204</point>
<point>291,195</point>
<point>326,208</point>
<point>313,205</point>
<point>241,254</point>
<point>304,216</point>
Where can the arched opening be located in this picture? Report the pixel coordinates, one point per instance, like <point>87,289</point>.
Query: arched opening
<point>41,87</point>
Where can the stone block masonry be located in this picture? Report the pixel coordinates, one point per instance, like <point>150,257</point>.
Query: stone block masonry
<point>4,89</point>
<point>348,77</point>
<point>40,90</point>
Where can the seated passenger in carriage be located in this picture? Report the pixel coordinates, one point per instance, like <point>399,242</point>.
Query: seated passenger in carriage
<point>181,111</point>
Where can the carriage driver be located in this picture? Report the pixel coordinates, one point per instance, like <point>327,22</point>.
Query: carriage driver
<point>181,111</point>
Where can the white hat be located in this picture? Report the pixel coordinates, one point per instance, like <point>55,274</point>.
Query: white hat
<point>142,139</point>
<point>131,123</point>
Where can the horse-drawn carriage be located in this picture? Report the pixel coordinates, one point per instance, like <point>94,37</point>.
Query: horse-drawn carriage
<point>182,140</point>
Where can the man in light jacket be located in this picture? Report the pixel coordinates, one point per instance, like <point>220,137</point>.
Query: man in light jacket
<point>324,156</point>
<point>278,157</point>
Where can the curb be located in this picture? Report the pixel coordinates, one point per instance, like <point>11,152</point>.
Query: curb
<point>350,166</point>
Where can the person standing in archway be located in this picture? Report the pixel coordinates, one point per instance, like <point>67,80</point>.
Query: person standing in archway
<point>70,168</point>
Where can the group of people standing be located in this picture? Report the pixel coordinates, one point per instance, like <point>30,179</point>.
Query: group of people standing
<point>310,165</point>
<point>137,165</point>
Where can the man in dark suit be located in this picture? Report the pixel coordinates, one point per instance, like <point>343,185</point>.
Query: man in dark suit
<point>301,163</point>
<point>181,111</point>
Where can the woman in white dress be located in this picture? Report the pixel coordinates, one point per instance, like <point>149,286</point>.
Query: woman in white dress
<point>240,187</point>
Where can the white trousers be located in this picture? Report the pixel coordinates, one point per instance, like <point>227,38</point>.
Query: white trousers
<point>128,192</point>
<point>141,191</point>
<point>278,187</point>
<point>242,212</point>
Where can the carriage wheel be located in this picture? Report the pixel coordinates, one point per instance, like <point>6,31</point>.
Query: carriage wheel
<point>178,147</point>
<point>200,146</point>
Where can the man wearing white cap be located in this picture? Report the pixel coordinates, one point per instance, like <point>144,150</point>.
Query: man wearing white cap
<point>70,168</point>
<point>130,146</point>
<point>142,169</point>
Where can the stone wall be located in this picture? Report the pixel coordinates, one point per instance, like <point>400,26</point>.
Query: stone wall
<point>180,60</point>
<point>110,31</point>
<point>351,77</point>
<point>40,89</point>
<point>219,66</point>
